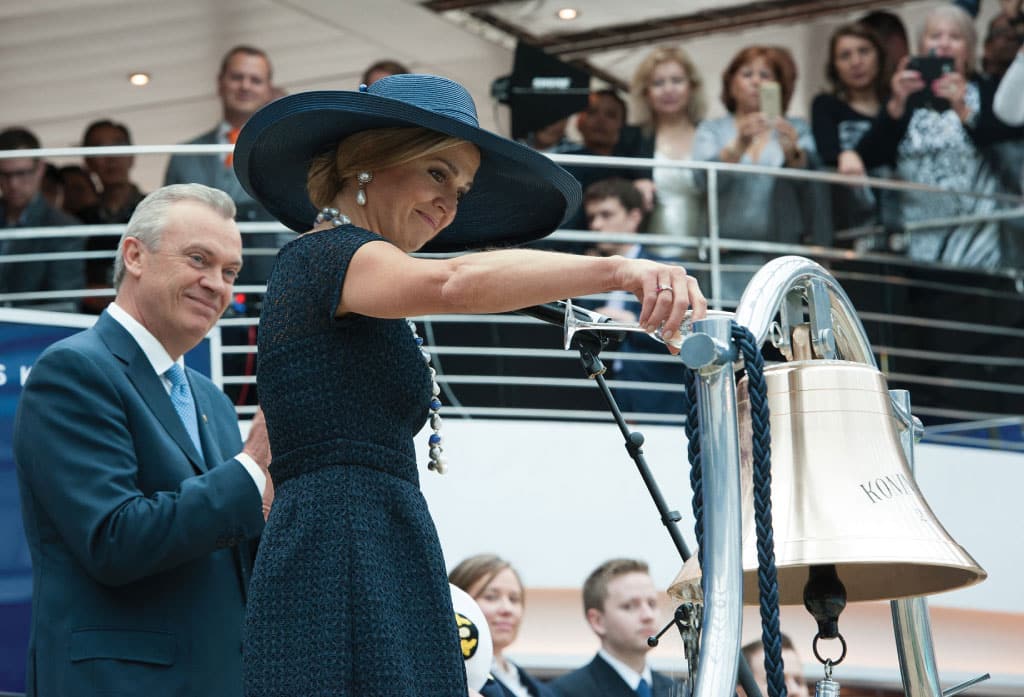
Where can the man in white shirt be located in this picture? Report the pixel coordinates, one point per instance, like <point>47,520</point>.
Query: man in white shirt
<point>621,605</point>
<point>140,502</point>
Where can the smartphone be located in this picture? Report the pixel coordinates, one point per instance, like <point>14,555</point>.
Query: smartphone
<point>931,69</point>
<point>771,100</point>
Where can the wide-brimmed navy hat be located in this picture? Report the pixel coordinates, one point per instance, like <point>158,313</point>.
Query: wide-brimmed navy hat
<point>518,194</point>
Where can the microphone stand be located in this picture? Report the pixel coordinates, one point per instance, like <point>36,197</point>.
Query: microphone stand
<point>590,344</point>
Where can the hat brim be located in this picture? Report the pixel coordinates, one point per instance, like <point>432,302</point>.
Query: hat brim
<point>518,194</point>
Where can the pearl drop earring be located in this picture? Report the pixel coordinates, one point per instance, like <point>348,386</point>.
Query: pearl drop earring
<point>363,178</point>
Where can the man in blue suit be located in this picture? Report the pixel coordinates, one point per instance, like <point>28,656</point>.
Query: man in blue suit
<point>621,606</point>
<point>140,502</point>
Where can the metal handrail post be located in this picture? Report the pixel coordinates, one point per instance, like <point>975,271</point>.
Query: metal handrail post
<point>723,562</point>
<point>911,623</point>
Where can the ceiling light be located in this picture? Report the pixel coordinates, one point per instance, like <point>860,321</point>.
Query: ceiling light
<point>139,79</point>
<point>568,13</point>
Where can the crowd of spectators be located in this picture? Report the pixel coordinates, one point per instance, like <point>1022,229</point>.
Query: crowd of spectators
<point>940,108</point>
<point>884,114</point>
<point>923,111</point>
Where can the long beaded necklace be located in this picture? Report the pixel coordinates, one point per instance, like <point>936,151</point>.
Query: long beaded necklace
<point>437,461</point>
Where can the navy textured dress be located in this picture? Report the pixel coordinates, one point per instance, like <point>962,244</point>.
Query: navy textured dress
<point>349,595</point>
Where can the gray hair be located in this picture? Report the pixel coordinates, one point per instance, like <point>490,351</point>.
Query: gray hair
<point>150,217</point>
<point>963,22</point>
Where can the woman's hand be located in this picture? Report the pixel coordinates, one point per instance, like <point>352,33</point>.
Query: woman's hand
<point>903,84</point>
<point>748,127</point>
<point>953,86</point>
<point>665,292</point>
<point>851,164</point>
<point>789,142</point>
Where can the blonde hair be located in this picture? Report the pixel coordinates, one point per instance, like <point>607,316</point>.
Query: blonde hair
<point>963,22</point>
<point>370,150</point>
<point>697,105</point>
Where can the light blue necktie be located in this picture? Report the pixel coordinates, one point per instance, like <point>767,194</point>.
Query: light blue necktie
<point>643,689</point>
<point>181,398</point>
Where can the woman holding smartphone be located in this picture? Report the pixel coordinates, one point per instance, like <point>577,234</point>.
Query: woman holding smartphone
<point>757,86</point>
<point>936,132</point>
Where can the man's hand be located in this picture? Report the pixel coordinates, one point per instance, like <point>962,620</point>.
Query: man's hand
<point>257,446</point>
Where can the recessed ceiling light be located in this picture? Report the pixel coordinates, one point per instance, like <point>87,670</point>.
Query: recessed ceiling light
<point>139,79</point>
<point>568,13</point>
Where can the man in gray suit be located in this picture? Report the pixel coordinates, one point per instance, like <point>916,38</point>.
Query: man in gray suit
<point>23,205</point>
<point>244,85</point>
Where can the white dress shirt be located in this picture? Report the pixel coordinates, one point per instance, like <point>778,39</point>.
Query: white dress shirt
<point>628,675</point>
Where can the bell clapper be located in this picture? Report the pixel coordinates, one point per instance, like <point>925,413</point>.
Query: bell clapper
<point>827,687</point>
<point>825,599</point>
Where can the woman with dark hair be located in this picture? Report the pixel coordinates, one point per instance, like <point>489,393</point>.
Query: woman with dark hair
<point>497,588</point>
<point>841,117</point>
<point>759,207</point>
<point>349,594</point>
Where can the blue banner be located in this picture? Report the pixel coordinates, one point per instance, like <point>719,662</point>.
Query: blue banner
<point>24,335</point>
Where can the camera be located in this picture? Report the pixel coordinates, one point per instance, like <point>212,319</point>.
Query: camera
<point>931,69</point>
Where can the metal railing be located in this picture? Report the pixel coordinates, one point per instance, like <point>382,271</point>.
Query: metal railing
<point>953,336</point>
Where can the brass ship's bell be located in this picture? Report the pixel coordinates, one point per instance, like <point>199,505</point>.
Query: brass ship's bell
<point>842,492</point>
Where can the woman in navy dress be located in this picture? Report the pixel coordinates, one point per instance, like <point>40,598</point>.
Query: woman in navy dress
<point>349,594</point>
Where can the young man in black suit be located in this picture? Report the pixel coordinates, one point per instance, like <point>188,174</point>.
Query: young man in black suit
<point>621,605</point>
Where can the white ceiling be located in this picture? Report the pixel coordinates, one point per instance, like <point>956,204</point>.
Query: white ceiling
<point>64,63</point>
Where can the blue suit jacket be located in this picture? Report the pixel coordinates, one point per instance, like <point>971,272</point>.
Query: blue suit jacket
<point>139,545</point>
<point>598,679</point>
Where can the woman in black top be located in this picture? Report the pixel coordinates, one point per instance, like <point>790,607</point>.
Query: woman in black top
<point>839,119</point>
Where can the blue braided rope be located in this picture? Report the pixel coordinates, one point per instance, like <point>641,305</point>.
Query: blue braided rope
<point>767,575</point>
<point>693,453</point>
<point>768,586</point>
